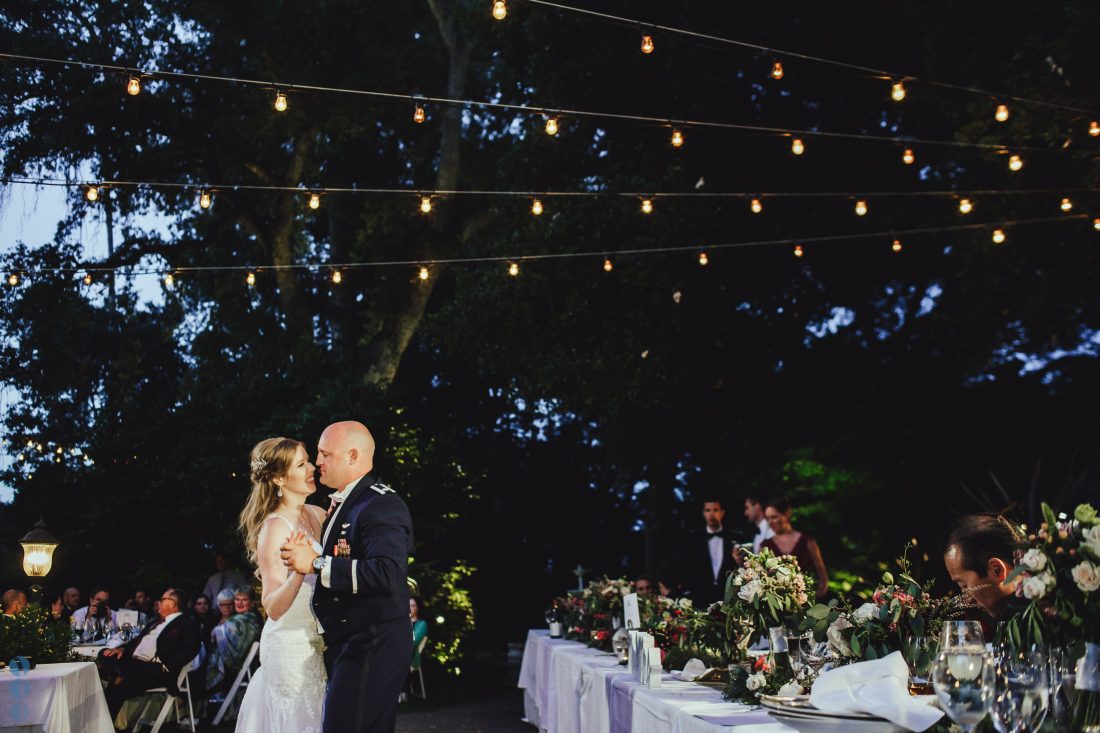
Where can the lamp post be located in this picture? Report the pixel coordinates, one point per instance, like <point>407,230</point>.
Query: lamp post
<point>38,547</point>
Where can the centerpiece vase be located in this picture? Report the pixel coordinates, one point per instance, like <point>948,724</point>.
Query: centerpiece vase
<point>1086,700</point>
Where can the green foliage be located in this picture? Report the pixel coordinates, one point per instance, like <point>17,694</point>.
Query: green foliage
<point>448,609</point>
<point>33,633</point>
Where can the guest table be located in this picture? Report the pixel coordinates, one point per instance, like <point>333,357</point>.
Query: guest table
<point>53,698</point>
<point>571,688</point>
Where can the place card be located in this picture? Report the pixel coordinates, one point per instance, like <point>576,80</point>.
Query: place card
<point>653,678</point>
<point>631,617</point>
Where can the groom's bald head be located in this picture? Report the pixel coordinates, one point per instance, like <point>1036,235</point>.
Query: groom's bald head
<point>345,452</point>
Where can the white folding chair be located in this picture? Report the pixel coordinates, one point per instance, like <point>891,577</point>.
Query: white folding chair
<point>242,680</point>
<point>420,667</point>
<point>170,702</point>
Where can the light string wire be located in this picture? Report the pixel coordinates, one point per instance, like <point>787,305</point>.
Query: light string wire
<point>306,190</point>
<point>880,73</point>
<point>601,253</point>
<point>550,111</point>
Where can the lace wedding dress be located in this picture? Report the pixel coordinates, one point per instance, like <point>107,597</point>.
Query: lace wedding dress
<point>287,694</point>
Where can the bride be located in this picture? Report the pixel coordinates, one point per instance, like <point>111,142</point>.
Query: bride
<point>287,693</point>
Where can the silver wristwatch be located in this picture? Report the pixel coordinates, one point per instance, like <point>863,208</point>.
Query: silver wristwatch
<point>318,563</point>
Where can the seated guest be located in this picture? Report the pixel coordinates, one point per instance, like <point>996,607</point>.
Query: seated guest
<point>70,601</point>
<point>140,602</point>
<point>224,578</point>
<point>13,601</point>
<point>979,557</point>
<point>669,585</point>
<point>231,641</point>
<point>799,545</point>
<point>56,605</point>
<point>206,616</point>
<point>643,585</point>
<point>99,606</point>
<point>225,606</point>
<point>419,626</point>
<point>153,659</point>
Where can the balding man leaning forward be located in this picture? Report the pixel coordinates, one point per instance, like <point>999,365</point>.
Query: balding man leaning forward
<point>362,599</point>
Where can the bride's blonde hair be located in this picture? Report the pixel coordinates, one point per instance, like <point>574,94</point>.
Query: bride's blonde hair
<point>270,459</point>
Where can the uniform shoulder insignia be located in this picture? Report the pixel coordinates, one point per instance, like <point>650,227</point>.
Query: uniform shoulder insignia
<point>381,488</point>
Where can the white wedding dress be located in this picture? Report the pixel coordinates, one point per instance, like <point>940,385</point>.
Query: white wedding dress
<point>287,694</point>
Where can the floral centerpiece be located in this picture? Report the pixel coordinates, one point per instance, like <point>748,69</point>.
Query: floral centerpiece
<point>593,614</point>
<point>683,632</point>
<point>35,634</point>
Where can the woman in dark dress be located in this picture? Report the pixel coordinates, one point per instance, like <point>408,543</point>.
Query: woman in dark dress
<point>799,545</point>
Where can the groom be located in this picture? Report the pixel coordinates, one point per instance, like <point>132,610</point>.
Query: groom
<point>362,597</point>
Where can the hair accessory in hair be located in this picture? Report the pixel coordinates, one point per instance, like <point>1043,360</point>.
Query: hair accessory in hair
<point>258,465</point>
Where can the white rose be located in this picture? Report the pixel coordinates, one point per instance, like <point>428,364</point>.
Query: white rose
<point>756,681</point>
<point>865,612</point>
<point>772,563</point>
<point>1092,538</point>
<point>790,689</point>
<point>1034,559</point>
<point>685,603</point>
<point>1035,587</point>
<point>783,574</point>
<point>749,591</point>
<point>836,639</point>
<point>1087,576</point>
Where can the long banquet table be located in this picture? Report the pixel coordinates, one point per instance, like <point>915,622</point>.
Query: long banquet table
<point>54,698</point>
<point>571,688</point>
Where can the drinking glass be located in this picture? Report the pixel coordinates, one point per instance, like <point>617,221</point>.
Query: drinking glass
<point>920,652</point>
<point>794,652</point>
<point>125,632</point>
<point>91,627</point>
<point>963,680</point>
<point>1063,678</point>
<point>961,634</point>
<point>1021,691</point>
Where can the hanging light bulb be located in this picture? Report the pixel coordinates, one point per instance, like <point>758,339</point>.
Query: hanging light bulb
<point>1096,224</point>
<point>280,102</point>
<point>314,201</point>
<point>998,236</point>
<point>205,199</point>
<point>1066,205</point>
<point>607,266</point>
<point>87,278</point>
<point>647,206</point>
<point>647,44</point>
<point>425,204</point>
<point>1002,113</point>
<point>861,208</point>
<point>551,125</point>
<point>896,246</point>
<point>703,259</point>
<point>13,279</point>
<point>169,281</point>
<point>1015,163</point>
<point>798,250</point>
<point>907,157</point>
<point>513,268</point>
<point>133,87</point>
<point>500,9</point>
<point>422,273</point>
<point>756,206</point>
<point>965,207</point>
<point>419,115</point>
<point>677,138</point>
<point>92,193</point>
<point>536,207</point>
<point>797,147</point>
<point>337,277</point>
<point>250,279</point>
<point>1094,128</point>
<point>777,70</point>
<point>897,91</point>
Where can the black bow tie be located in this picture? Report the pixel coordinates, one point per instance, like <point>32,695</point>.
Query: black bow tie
<point>719,533</point>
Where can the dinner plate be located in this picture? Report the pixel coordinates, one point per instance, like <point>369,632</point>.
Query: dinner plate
<point>796,712</point>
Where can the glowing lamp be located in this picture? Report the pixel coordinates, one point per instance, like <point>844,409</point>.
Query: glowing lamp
<point>38,547</point>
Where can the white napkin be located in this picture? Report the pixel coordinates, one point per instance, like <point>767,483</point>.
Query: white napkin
<point>879,687</point>
<point>692,670</point>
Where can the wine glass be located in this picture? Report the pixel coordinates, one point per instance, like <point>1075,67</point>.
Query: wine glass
<point>1063,676</point>
<point>963,680</point>
<point>125,632</point>
<point>1021,691</point>
<point>794,653</point>
<point>920,652</point>
<point>961,634</point>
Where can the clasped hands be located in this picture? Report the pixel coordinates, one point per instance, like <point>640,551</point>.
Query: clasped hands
<point>297,553</point>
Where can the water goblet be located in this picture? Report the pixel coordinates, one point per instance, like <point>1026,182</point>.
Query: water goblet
<point>1021,691</point>
<point>961,634</point>
<point>919,653</point>
<point>963,680</point>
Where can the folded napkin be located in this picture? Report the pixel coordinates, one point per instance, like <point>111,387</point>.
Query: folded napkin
<point>692,670</point>
<point>879,687</point>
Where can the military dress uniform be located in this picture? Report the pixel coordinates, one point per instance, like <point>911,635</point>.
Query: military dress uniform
<point>362,604</point>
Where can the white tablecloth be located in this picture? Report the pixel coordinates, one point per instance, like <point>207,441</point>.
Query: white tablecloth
<point>54,698</point>
<point>571,688</point>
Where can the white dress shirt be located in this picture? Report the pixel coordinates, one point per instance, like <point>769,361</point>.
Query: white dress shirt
<point>763,532</point>
<point>326,569</point>
<point>716,545</point>
<point>146,649</point>
<point>81,614</point>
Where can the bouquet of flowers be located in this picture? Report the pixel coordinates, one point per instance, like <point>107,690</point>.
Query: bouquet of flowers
<point>749,680</point>
<point>593,615</point>
<point>35,634</point>
<point>769,590</point>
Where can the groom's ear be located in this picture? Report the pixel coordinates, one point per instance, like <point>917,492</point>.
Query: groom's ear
<point>353,455</point>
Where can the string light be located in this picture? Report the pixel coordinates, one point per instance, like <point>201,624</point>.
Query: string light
<point>536,207</point>
<point>756,206</point>
<point>500,9</point>
<point>92,193</point>
<point>677,138</point>
<point>861,208</point>
<point>280,102</point>
<point>1002,113</point>
<point>133,87</point>
<point>647,206</point>
<point>797,147</point>
<point>798,252</point>
<point>897,91</point>
<point>907,157</point>
<point>1094,128</point>
<point>1015,163</point>
<point>513,268</point>
<point>87,278</point>
<point>169,281</point>
<point>896,246</point>
<point>314,201</point>
<point>1096,224</point>
<point>647,44</point>
<point>422,273</point>
<point>250,279</point>
<point>607,266</point>
<point>551,125</point>
<point>425,204</point>
<point>965,207</point>
<point>419,115</point>
<point>703,259</point>
<point>777,70</point>
<point>337,277</point>
<point>13,279</point>
<point>1066,205</point>
<point>998,236</point>
<point>205,199</point>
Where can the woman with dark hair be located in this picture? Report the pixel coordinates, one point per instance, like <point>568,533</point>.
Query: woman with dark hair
<point>799,545</point>
<point>419,627</point>
<point>979,556</point>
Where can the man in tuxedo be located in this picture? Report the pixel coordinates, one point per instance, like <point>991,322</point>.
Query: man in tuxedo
<point>362,597</point>
<point>155,658</point>
<point>709,557</point>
